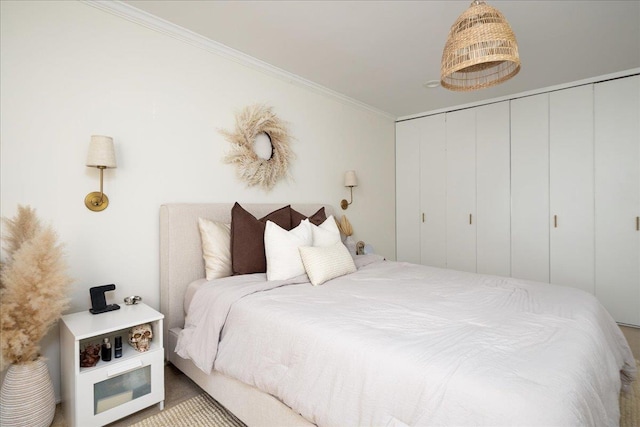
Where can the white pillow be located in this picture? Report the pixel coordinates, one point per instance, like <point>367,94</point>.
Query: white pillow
<point>216,248</point>
<point>281,249</point>
<point>325,234</point>
<point>326,263</point>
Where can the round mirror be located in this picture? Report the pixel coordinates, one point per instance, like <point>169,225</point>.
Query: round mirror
<point>262,146</point>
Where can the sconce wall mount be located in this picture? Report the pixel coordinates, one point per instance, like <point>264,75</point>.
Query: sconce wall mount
<point>102,155</point>
<point>350,180</point>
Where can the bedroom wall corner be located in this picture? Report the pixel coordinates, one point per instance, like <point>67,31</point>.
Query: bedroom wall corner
<point>69,71</point>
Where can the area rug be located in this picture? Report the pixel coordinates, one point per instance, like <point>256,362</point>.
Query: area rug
<point>199,411</point>
<point>630,404</point>
<point>204,411</point>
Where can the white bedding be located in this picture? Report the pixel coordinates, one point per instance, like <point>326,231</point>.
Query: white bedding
<point>402,344</point>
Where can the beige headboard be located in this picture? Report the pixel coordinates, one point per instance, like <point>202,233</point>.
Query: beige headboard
<point>181,249</point>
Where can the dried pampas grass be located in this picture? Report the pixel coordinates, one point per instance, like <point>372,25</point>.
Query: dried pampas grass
<point>34,287</point>
<point>345,226</point>
<point>249,167</point>
<point>20,229</point>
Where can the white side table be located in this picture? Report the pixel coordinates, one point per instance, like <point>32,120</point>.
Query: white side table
<point>110,390</point>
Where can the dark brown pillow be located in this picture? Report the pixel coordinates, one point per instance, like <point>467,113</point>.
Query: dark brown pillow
<point>317,218</point>
<point>247,238</point>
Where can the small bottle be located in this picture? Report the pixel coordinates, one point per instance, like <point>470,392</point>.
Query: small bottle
<point>106,350</point>
<point>118,347</point>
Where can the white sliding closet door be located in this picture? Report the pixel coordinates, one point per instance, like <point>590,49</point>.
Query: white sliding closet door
<point>493,184</point>
<point>571,175</point>
<point>461,189</point>
<point>408,135</point>
<point>530,188</point>
<point>617,155</point>
<point>433,187</point>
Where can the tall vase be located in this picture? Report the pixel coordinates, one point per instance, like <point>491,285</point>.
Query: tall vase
<point>27,397</point>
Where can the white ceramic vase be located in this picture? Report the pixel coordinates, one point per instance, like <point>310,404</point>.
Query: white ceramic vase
<point>26,396</point>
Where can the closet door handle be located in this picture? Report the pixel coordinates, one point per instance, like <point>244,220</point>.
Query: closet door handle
<point>470,219</point>
<point>638,223</point>
<point>555,221</point>
<point>422,216</point>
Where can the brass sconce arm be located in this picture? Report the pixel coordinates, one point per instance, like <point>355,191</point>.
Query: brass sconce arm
<point>343,203</point>
<point>97,201</point>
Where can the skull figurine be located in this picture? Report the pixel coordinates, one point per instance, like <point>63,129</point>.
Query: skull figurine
<point>140,337</point>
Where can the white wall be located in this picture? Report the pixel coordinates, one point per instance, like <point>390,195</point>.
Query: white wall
<point>69,70</point>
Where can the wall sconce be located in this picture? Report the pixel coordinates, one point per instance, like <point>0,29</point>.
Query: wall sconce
<point>350,181</point>
<point>102,156</point>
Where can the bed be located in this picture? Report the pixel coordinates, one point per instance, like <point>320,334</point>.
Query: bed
<point>501,351</point>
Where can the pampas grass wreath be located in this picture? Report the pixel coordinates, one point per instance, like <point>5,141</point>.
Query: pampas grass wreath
<point>250,168</point>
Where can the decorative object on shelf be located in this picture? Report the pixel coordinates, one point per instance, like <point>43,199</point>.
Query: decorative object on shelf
<point>117,350</point>
<point>350,180</point>
<point>90,356</point>
<point>105,352</point>
<point>481,50</point>
<point>102,155</point>
<point>345,226</point>
<point>99,301</point>
<point>132,300</point>
<point>257,128</point>
<point>140,337</point>
<point>33,295</point>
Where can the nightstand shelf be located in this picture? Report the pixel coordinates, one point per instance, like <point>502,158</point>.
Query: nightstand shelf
<point>110,390</point>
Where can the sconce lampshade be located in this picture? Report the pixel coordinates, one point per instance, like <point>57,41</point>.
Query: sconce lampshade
<point>481,50</point>
<point>101,152</point>
<point>350,179</point>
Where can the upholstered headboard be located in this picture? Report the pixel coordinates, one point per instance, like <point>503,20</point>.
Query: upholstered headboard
<point>181,248</point>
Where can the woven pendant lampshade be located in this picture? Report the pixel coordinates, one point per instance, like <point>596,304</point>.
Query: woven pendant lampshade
<point>481,50</point>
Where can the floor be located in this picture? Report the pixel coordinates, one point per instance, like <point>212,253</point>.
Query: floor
<point>633,338</point>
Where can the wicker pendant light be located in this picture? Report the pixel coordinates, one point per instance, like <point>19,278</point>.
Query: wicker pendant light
<point>481,50</point>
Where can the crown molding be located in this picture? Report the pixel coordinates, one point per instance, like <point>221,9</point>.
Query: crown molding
<point>160,25</point>
<point>591,80</point>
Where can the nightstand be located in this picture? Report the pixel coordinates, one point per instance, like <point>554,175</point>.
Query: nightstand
<point>110,390</point>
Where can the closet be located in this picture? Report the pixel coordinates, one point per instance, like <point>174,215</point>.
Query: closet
<point>552,174</point>
<point>543,187</point>
<point>432,201</point>
<point>493,207</point>
<point>530,188</point>
<point>452,190</point>
<point>408,137</point>
<point>477,189</point>
<point>421,180</point>
<point>571,197</point>
<point>617,197</point>
<point>461,190</point>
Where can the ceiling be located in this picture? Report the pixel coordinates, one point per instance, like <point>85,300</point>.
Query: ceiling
<point>382,52</point>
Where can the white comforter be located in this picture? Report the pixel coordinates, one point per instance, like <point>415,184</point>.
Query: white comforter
<point>402,344</point>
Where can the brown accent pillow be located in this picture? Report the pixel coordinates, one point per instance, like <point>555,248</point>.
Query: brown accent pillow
<point>247,238</point>
<point>316,219</point>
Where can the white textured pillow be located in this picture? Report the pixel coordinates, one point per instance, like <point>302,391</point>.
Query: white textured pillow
<point>326,234</point>
<point>281,249</point>
<point>326,263</point>
<point>216,248</point>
